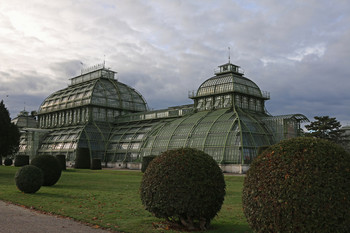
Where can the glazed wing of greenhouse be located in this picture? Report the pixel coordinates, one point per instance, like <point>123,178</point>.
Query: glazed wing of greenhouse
<point>110,120</point>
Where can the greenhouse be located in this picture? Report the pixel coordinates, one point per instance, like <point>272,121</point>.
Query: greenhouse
<point>227,120</point>
<point>82,115</point>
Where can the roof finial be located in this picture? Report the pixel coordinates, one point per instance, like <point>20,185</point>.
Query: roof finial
<point>229,55</point>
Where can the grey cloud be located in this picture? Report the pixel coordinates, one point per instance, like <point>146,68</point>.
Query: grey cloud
<point>297,50</point>
<point>18,102</point>
<point>67,69</point>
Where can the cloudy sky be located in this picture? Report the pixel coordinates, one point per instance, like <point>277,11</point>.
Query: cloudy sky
<point>298,50</point>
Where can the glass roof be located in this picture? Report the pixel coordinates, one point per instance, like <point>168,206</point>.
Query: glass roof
<point>65,140</point>
<point>226,135</point>
<point>61,140</point>
<point>229,83</point>
<point>100,92</point>
<point>25,120</point>
<point>229,79</point>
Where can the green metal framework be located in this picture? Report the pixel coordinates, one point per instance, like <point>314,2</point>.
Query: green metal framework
<point>229,136</point>
<point>99,99</point>
<point>81,115</point>
<point>227,120</point>
<point>229,88</point>
<point>285,126</point>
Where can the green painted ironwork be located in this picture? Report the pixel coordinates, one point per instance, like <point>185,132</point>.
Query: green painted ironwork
<point>227,120</point>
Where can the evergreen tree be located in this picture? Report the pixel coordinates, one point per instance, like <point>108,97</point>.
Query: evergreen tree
<point>325,127</point>
<point>9,133</point>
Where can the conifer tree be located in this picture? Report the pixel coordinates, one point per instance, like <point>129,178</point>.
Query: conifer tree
<point>325,127</point>
<point>9,133</point>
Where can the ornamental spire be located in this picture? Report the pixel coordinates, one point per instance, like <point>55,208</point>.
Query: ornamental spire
<point>229,55</point>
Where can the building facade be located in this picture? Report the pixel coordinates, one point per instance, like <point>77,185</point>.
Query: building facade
<point>345,135</point>
<point>227,120</point>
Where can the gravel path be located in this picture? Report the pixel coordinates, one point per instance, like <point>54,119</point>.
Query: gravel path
<point>16,219</point>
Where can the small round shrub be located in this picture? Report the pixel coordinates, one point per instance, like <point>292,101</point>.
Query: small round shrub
<point>29,179</point>
<point>8,162</point>
<point>21,160</point>
<point>299,185</point>
<point>145,162</point>
<point>184,185</point>
<point>96,164</point>
<point>62,160</point>
<point>51,168</point>
<point>82,159</point>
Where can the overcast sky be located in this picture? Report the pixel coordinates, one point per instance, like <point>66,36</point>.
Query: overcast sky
<point>298,50</point>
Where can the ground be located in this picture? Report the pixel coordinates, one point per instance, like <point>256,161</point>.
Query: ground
<point>23,220</point>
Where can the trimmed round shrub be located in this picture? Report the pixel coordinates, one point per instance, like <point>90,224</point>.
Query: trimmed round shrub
<point>299,185</point>
<point>62,161</point>
<point>29,179</point>
<point>145,161</point>
<point>82,159</point>
<point>8,162</point>
<point>261,149</point>
<point>185,186</point>
<point>96,164</point>
<point>21,160</point>
<point>51,168</point>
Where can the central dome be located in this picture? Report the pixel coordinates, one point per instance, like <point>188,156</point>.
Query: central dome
<point>229,79</point>
<point>229,88</point>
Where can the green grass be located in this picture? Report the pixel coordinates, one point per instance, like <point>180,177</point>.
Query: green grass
<point>110,199</point>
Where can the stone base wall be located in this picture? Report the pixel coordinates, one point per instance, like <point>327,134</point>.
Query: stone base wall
<point>123,165</point>
<point>234,168</point>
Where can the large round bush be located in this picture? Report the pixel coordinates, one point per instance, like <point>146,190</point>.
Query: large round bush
<point>184,185</point>
<point>29,179</point>
<point>51,168</point>
<point>299,185</point>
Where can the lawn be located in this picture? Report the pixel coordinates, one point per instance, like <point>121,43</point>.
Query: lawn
<point>110,199</point>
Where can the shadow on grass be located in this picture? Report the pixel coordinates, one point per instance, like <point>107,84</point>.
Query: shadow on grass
<point>49,195</point>
<point>68,170</point>
<point>229,227</point>
<point>73,188</point>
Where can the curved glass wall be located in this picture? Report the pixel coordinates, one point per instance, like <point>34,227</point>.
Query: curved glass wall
<point>66,141</point>
<point>95,138</point>
<point>63,141</point>
<point>125,142</point>
<point>228,136</point>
